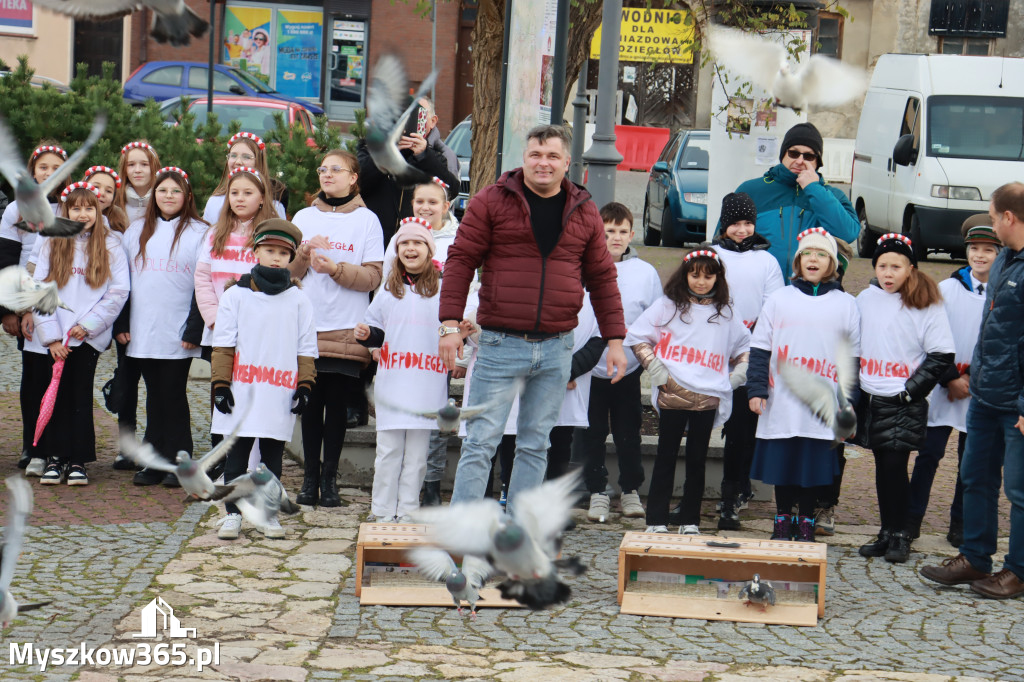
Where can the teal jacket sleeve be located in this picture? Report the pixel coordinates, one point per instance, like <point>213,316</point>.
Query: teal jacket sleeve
<point>833,211</point>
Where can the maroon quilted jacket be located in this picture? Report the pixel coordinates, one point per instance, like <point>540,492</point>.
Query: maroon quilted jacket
<point>520,289</point>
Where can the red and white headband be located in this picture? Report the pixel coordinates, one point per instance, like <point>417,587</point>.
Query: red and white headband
<point>700,253</point>
<point>441,182</point>
<point>79,185</point>
<point>106,170</point>
<point>415,221</point>
<point>173,169</point>
<point>49,149</point>
<point>245,169</point>
<point>247,136</point>
<point>138,144</point>
<point>813,230</point>
<point>898,237</point>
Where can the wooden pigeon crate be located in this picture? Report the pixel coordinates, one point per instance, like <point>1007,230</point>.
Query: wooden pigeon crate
<point>388,543</point>
<point>690,555</point>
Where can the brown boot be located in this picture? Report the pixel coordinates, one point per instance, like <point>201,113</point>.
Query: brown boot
<point>1002,585</point>
<point>955,571</point>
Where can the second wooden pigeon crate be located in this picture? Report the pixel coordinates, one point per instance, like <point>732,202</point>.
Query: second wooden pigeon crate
<point>381,578</point>
<point>694,576</point>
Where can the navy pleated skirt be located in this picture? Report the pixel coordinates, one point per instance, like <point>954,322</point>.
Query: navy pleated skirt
<point>806,462</point>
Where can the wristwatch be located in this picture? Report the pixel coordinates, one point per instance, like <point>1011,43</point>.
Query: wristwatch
<point>445,331</point>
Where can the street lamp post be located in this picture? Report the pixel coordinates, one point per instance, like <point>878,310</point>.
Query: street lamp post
<point>602,155</point>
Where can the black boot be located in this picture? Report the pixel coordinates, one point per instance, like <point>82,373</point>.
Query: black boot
<point>729,518</point>
<point>431,494</point>
<point>899,547</point>
<point>877,548</point>
<point>914,527</point>
<point>310,492</point>
<point>955,536</point>
<point>328,483</point>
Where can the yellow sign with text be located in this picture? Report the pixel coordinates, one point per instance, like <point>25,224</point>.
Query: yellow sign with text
<point>664,36</point>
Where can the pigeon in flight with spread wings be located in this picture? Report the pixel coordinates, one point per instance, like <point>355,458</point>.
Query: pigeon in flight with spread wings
<point>449,416</point>
<point>173,21</point>
<point>830,402</point>
<point>14,538</point>
<point>20,292</point>
<point>464,583</point>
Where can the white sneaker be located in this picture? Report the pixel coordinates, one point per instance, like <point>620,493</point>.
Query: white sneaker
<point>656,529</point>
<point>689,529</point>
<point>600,506</point>
<point>404,518</point>
<point>35,467</point>
<point>273,529</point>
<point>631,506</point>
<point>230,527</point>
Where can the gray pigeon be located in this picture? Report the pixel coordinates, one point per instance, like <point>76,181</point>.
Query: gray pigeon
<point>830,402</point>
<point>464,584</point>
<point>386,118</point>
<point>173,21</point>
<point>522,545</point>
<point>258,495</point>
<point>758,592</point>
<point>449,416</point>
<point>33,205</point>
<point>14,539</point>
<point>20,292</point>
<point>191,473</point>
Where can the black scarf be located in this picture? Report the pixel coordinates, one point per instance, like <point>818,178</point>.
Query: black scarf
<point>268,280</point>
<point>335,202</point>
<point>755,242</point>
<point>700,298</point>
<point>819,289</point>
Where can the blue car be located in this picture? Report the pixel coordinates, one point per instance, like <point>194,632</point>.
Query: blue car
<point>166,80</point>
<point>676,202</point>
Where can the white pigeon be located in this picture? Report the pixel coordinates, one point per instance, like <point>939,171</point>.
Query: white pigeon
<point>386,116</point>
<point>522,545</point>
<point>191,473</point>
<point>258,495</point>
<point>33,203</point>
<point>173,21</point>
<point>14,538</point>
<point>19,292</point>
<point>821,81</point>
<point>464,583</point>
<point>449,416</point>
<point>830,402</point>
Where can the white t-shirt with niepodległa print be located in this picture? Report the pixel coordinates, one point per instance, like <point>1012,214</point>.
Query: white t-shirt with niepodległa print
<point>696,350</point>
<point>805,331</point>
<point>162,287</point>
<point>752,276</point>
<point>895,339</point>
<point>964,309</point>
<point>268,333</point>
<point>355,238</point>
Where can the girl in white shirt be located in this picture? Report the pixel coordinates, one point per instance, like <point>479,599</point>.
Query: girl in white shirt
<point>411,378</point>
<point>688,341</point>
<point>800,324</point>
<point>138,163</point>
<point>108,181</point>
<point>245,150</point>
<point>906,345</point>
<point>91,272</point>
<point>162,251</point>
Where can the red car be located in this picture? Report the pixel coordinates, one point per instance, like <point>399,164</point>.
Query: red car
<point>256,115</point>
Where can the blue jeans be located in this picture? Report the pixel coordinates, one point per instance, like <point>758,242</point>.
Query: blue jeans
<point>994,447</point>
<point>501,359</point>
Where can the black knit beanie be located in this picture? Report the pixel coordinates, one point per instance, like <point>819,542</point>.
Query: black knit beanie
<point>894,243</point>
<point>737,206</point>
<point>804,134</point>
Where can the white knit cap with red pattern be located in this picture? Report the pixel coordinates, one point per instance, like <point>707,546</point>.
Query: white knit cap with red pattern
<point>415,228</point>
<point>817,238</point>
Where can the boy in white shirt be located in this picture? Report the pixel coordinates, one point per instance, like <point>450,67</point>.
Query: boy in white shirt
<point>639,287</point>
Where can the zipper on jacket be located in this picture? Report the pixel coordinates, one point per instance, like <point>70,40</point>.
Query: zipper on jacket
<point>544,263</point>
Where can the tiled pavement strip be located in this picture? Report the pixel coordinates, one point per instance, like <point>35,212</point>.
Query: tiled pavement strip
<point>286,610</point>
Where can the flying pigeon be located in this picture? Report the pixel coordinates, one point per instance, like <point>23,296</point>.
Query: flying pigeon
<point>173,21</point>
<point>830,402</point>
<point>19,292</point>
<point>757,592</point>
<point>36,212</point>
<point>522,545</point>
<point>258,495</point>
<point>821,81</point>
<point>450,415</point>
<point>386,119</point>
<point>14,538</point>
<point>464,584</point>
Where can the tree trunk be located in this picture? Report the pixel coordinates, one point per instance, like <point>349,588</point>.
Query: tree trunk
<point>488,34</point>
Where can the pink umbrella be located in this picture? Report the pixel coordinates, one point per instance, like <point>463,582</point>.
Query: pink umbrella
<point>50,397</point>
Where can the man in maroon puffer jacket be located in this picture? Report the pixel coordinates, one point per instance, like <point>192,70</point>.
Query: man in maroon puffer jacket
<point>540,239</point>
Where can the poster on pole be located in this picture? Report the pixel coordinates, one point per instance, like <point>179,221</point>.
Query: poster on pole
<point>528,85</point>
<point>299,40</point>
<point>746,130</point>
<point>247,43</point>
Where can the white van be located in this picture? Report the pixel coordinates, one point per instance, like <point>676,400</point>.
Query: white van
<point>937,134</point>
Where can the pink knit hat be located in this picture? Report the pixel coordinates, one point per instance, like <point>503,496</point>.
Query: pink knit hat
<point>415,228</point>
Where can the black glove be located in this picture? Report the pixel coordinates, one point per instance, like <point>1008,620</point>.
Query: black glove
<point>301,398</point>
<point>223,400</point>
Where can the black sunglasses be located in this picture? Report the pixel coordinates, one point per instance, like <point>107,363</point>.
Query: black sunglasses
<point>808,156</point>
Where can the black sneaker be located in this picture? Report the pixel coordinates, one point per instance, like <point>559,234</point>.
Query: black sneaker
<point>148,477</point>
<point>899,547</point>
<point>122,463</point>
<point>171,481</point>
<point>877,548</point>
<point>53,474</point>
<point>77,475</point>
<point>955,536</point>
<point>783,528</point>
<point>26,457</point>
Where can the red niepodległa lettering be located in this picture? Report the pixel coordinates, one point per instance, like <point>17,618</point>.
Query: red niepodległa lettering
<point>819,366</point>
<point>400,359</point>
<point>337,246</point>
<point>258,374</point>
<point>885,368</point>
<point>687,354</point>
<point>237,253</point>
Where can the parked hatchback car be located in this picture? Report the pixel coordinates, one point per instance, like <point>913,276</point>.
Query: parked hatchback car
<point>256,115</point>
<point>458,141</point>
<point>676,202</point>
<point>165,80</point>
